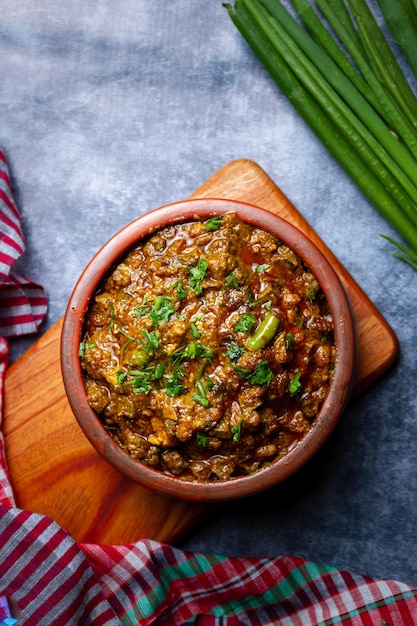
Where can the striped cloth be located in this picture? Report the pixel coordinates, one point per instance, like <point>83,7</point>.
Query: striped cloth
<point>46,578</point>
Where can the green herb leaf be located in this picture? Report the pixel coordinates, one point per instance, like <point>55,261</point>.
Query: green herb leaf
<point>191,351</point>
<point>162,310</point>
<point>143,309</point>
<point>194,331</point>
<point>198,273</point>
<point>213,223</point>
<point>237,431</point>
<point>231,280</point>
<point>201,396</point>
<point>151,343</point>
<point>245,323</point>
<point>173,388</point>
<point>159,370</point>
<point>289,341</point>
<point>180,291</point>
<point>121,376</point>
<point>112,314</point>
<point>141,384</point>
<point>202,439</point>
<point>234,352</point>
<point>84,347</point>
<point>261,375</point>
<point>295,385</point>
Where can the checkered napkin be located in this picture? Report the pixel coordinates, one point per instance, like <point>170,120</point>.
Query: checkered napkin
<point>46,578</point>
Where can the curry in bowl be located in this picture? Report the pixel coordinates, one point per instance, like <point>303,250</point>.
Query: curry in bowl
<point>208,350</point>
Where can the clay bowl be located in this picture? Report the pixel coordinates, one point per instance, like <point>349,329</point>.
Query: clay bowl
<point>331,410</point>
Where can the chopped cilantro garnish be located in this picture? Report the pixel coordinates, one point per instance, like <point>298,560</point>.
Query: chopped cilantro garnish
<point>295,385</point>
<point>260,269</point>
<point>191,351</point>
<point>198,273</point>
<point>213,223</point>
<point>141,384</point>
<point>121,376</point>
<point>202,439</point>
<point>201,396</point>
<point>119,329</point>
<point>237,431</point>
<point>173,388</point>
<point>289,341</point>
<point>209,382</point>
<point>159,370</point>
<point>234,352</point>
<point>112,314</point>
<point>161,310</point>
<point>245,323</point>
<point>180,291</point>
<point>194,331</point>
<point>261,375</point>
<point>231,280</point>
<point>84,346</point>
<point>140,379</point>
<point>142,309</point>
<point>151,343</point>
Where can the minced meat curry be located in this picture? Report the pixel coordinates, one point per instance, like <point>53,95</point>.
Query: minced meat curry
<point>209,350</point>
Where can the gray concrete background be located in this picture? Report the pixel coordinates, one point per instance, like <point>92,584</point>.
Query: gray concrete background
<point>112,108</point>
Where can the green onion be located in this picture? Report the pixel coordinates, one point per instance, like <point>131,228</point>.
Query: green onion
<point>355,107</point>
<point>401,19</point>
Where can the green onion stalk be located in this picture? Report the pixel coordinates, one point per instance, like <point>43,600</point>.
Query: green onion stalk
<point>337,69</point>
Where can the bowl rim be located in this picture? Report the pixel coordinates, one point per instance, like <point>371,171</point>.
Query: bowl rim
<point>111,252</point>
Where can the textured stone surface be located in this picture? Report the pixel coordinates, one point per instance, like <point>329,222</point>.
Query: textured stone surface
<point>112,108</point>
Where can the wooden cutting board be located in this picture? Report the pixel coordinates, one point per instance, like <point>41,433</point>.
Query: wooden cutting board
<point>56,471</point>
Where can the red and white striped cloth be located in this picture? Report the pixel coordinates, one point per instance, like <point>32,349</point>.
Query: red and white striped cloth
<point>46,578</point>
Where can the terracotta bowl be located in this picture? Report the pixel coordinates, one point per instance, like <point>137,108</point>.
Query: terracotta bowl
<point>331,410</point>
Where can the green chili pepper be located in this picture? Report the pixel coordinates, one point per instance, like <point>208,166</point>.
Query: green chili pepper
<point>264,333</point>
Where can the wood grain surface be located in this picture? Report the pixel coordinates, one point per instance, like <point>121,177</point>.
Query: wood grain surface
<point>56,471</point>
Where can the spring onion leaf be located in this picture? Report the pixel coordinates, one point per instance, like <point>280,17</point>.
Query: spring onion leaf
<point>401,20</point>
<point>355,106</point>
